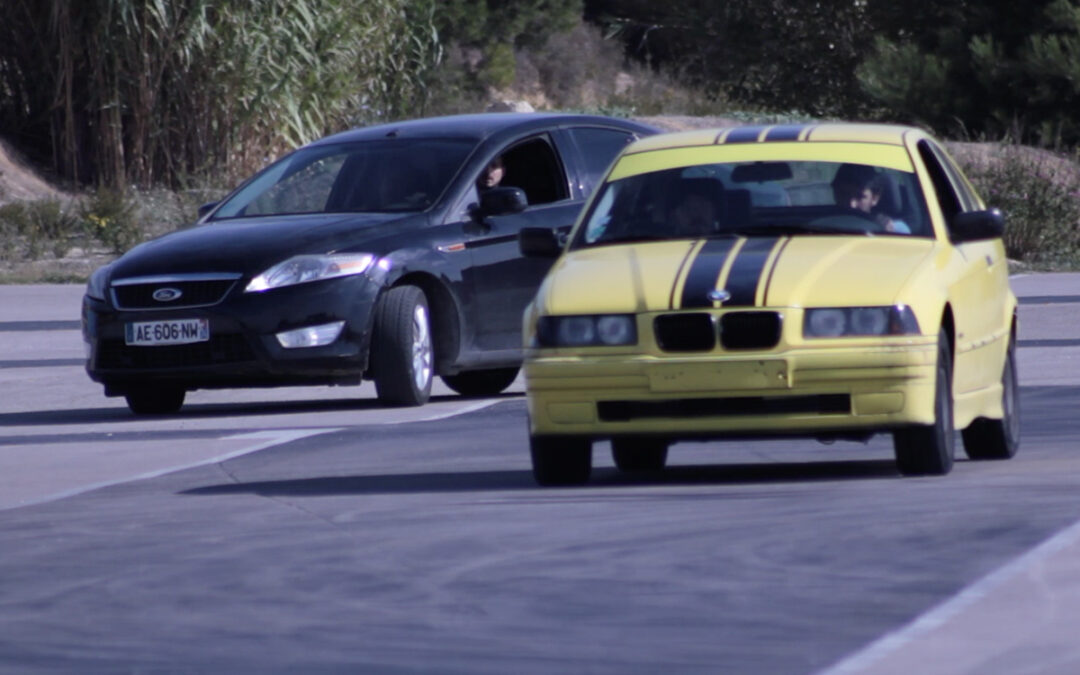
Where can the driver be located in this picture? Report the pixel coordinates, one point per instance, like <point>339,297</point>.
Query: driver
<point>860,187</point>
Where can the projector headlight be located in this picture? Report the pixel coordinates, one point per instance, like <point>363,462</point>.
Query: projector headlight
<point>304,268</point>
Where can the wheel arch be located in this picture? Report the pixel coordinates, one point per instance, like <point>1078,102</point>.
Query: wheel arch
<point>445,316</point>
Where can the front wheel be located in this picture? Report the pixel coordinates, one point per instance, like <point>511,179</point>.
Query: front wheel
<point>481,382</point>
<point>634,455</point>
<point>560,460</point>
<point>402,355</point>
<point>998,439</point>
<point>156,401</point>
<point>928,450</point>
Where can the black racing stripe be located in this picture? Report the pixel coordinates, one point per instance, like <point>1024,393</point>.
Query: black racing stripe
<point>745,273</point>
<point>744,134</point>
<point>786,132</point>
<point>704,271</point>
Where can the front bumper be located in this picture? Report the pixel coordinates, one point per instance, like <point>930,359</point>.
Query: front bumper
<point>243,350</point>
<point>807,391</point>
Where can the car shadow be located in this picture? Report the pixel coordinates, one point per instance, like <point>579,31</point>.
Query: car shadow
<point>603,478</point>
<point>217,410</point>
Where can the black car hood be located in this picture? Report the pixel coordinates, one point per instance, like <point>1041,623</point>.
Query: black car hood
<point>250,245</point>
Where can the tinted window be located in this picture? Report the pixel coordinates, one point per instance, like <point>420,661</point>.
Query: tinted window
<point>377,176</point>
<point>598,148</point>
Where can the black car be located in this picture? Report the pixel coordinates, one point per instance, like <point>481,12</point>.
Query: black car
<point>374,253</point>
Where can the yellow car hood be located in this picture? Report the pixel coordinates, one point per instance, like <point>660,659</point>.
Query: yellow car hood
<point>800,271</point>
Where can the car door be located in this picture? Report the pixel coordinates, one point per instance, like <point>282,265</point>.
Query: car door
<point>979,279</point>
<point>500,281</point>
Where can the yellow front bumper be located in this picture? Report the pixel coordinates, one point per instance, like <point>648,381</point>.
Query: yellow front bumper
<point>807,390</point>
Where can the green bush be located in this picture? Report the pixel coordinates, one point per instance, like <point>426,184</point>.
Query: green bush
<point>29,228</point>
<point>1040,196</point>
<point>109,217</point>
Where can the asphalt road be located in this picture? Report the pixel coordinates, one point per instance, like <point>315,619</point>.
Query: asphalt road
<point>312,531</point>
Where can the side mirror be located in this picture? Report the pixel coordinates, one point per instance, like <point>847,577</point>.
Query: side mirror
<point>500,201</point>
<point>539,242</point>
<point>207,208</point>
<point>977,226</point>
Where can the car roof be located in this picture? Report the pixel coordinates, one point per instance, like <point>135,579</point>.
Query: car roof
<point>480,126</point>
<point>829,132</point>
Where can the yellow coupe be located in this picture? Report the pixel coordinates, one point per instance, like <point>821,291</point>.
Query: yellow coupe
<point>823,280</point>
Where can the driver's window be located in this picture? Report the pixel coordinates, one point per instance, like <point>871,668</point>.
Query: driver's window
<point>534,167</point>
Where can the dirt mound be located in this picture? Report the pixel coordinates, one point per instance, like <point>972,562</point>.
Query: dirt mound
<point>18,181</point>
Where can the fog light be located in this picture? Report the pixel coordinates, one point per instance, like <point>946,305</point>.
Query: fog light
<point>312,336</point>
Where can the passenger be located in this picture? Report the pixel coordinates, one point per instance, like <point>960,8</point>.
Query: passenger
<point>861,188</point>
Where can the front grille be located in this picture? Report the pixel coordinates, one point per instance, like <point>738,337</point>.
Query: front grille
<point>686,332</point>
<point>133,294</point>
<point>220,349</point>
<point>750,330</point>
<point>625,411</point>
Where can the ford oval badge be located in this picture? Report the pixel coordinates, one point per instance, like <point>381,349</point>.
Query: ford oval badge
<point>167,294</point>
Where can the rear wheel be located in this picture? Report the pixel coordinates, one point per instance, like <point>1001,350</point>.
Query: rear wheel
<point>998,439</point>
<point>928,450</point>
<point>156,401</point>
<point>560,460</point>
<point>402,354</point>
<point>481,382</point>
<point>633,455</point>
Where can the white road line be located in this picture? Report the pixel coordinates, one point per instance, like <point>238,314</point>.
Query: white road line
<point>265,439</point>
<point>934,619</point>
<point>261,441</point>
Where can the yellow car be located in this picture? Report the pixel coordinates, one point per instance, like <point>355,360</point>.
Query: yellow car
<point>827,280</point>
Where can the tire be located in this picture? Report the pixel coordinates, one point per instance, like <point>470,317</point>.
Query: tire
<point>560,460</point>
<point>481,382</point>
<point>402,353</point>
<point>998,439</point>
<point>638,455</point>
<point>157,401</point>
<point>929,450</point>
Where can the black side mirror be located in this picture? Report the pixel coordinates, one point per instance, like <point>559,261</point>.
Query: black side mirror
<point>207,208</point>
<point>977,226</point>
<point>539,242</point>
<point>500,201</point>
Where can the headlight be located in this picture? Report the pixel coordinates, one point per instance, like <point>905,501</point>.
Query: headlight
<point>304,268</point>
<point>98,284</point>
<point>827,322</point>
<point>586,330</point>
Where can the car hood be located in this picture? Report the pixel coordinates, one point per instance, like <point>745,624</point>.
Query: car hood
<point>800,271</point>
<point>250,245</point>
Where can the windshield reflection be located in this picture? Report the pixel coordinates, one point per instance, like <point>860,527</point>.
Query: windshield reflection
<point>389,176</point>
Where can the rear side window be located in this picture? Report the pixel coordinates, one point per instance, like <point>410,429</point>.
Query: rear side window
<point>598,148</point>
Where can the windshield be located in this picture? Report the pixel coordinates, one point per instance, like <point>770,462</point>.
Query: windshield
<point>371,176</point>
<point>757,199</point>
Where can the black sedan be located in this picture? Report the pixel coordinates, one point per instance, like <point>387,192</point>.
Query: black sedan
<point>387,253</point>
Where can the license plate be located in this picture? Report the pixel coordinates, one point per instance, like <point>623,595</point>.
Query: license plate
<point>176,332</point>
<point>765,374</point>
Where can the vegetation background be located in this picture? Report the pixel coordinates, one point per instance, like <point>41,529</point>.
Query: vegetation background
<point>138,110</point>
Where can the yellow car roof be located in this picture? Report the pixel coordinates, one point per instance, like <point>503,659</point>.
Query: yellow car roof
<point>875,144</point>
<point>852,132</point>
